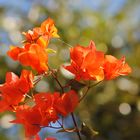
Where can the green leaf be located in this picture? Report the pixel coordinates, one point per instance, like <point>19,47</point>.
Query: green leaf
<point>48,50</point>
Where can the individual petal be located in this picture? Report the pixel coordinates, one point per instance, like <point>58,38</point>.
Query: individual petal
<point>43,41</point>
<point>14,89</point>
<point>95,67</point>
<point>45,103</point>
<point>30,119</point>
<point>4,106</point>
<point>11,77</point>
<point>67,103</point>
<point>26,80</point>
<point>114,67</point>
<point>36,57</point>
<point>14,52</point>
<point>48,28</point>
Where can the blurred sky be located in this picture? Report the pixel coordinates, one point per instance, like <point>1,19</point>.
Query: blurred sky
<point>14,8</point>
<point>25,5</point>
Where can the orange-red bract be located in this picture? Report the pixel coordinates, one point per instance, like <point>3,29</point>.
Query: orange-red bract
<point>86,63</point>
<point>14,52</point>
<point>36,57</point>
<point>114,67</point>
<point>48,28</point>
<point>47,109</point>
<point>67,103</point>
<point>30,118</point>
<point>32,55</point>
<point>13,91</point>
<point>41,35</point>
<point>45,103</point>
<point>51,105</point>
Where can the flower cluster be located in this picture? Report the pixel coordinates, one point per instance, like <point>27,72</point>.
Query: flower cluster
<point>47,109</point>
<point>37,110</point>
<point>89,64</point>
<point>34,50</point>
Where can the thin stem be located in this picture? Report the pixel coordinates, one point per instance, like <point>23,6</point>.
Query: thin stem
<point>76,126</point>
<point>59,123</point>
<point>86,92</point>
<point>67,129</point>
<point>70,130</point>
<point>65,42</point>
<point>28,96</point>
<point>88,88</point>
<point>68,84</point>
<point>39,79</point>
<point>56,79</point>
<point>95,84</point>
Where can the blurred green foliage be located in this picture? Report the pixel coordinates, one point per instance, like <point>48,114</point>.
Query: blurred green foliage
<point>113,107</point>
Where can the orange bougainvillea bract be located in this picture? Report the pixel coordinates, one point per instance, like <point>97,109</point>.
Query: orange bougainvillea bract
<point>114,67</point>
<point>41,35</point>
<point>67,103</point>
<point>13,91</point>
<point>47,109</point>
<point>36,110</point>
<point>86,63</point>
<point>89,64</point>
<point>32,55</point>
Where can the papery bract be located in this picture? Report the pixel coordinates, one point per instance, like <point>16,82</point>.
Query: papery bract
<point>45,103</point>
<point>30,118</point>
<point>114,67</point>
<point>13,91</point>
<point>14,52</point>
<point>36,57</point>
<point>86,63</point>
<point>67,103</point>
<point>48,28</point>
<point>32,55</point>
<point>41,35</point>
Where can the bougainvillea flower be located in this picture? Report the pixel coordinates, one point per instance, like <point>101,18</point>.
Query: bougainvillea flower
<point>67,103</point>
<point>48,28</point>
<point>13,91</point>
<point>32,55</point>
<point>50,105</point>
<point>30,118</point>
<point>36,57</point>
<point>86,63</point>
<point>114,67</point>
<point>41,35</point>
<point>47,109</point>
<point>45,103</point>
